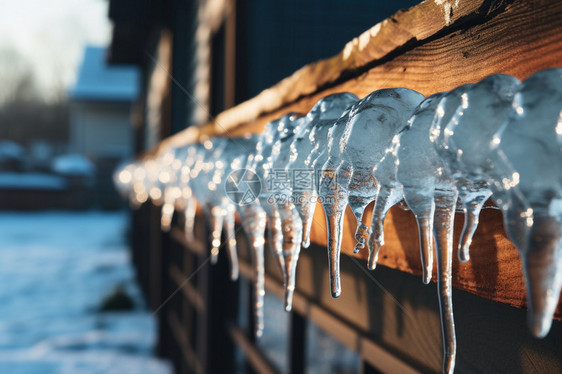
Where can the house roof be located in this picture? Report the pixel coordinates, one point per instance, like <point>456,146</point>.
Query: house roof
<point>99,81</point>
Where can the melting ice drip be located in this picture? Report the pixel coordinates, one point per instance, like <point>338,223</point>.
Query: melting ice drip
<point>255,213</point>
<point>296,199</point>
<point>347,175</point>
<point>497,138</point>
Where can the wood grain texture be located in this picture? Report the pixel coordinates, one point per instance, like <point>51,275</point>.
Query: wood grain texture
<point>423,50</point>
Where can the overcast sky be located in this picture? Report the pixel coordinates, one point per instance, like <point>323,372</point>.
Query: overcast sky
<point>52,34</point>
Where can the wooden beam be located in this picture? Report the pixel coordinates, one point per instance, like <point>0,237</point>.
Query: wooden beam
<point>348,335</point>
<point>428,48</point>
<point>256,359</point>
<point>178,332</point>
<point>190,292</point>
<point>194,246</point>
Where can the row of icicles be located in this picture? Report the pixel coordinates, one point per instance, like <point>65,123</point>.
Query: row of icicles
<point>498,138</point>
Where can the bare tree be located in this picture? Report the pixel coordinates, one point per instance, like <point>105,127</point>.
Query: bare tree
<point>24,116</point>
<point>16,75</point>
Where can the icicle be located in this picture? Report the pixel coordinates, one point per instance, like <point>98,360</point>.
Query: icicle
<point>231,245</point>
<point>232,158</point>
<point>261,164</point>
<point>254,226</point>
<point>280,205</point>
<point>277,143</point>
<point>473,199</point>
<point>139,194</point>
<point>423,207</point>
<point>216,220</point>
<point>189,201</point>
<point>419,171</point>
<point>305,150</point>
<point>362,190</point>
<point>292,233</point>
<point>306,212</point>
<point>333,194</point>
<point>429,186</point>
<point>167,213</point>
<point>276,240</point>
<point>172,194</point>
<point>528,187</point>
<point>167,183</point>
<point>444,222</point>
<point>286,231</point>
<point>206,186</point>
<point>378,116</point>
<point>436,204</point>
<point>389,193</point>
<point>323,171</point>
<point>335,176</point>
<point>296,199</point>
<point>124,180</point>
<point>497,137</point>
<point>542,263</point>
<point>274,232</point>
<point>238,156</point>
<point>189,216</point>
<point>151,183</point>
<point>478,111</point>
<point>431,195</point>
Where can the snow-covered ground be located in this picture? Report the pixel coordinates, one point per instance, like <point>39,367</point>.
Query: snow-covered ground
<point>55,270</point>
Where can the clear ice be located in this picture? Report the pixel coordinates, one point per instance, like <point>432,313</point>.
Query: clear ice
<point>255,214</point>
<point>204,188</point>
<point>483,108</point>
<point>527,185</point>
<point>231,159</point>
<point>189,200</point>
<point>171,191</point>
<point>430,193</point>
<point>296,200</point>
<point>307,148</point>
<point>497,138</point>
<point>279,193</point>
<point>347,175</point>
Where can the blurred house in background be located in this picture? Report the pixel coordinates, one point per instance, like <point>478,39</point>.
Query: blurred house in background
<point>62,155</point>
<point>100,125</point>
<point>100,107</point>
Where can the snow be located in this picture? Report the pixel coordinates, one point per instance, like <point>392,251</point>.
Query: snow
<point>73,164</point>
<point>31,181</point>
<point>10,150</point>
<point>55,269</point>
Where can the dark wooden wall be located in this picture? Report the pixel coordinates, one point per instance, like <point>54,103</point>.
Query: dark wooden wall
<point>389,318</point>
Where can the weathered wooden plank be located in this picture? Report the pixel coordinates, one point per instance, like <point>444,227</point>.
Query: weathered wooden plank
<point>194,246</point>
<point>389,37</point>
<point>524,38</point>
<point>190,292</point>
<point>395,310</point>
<point>428,50</point>
<point>347,334</point>
<point>258,361</point>
<point>178,332</point>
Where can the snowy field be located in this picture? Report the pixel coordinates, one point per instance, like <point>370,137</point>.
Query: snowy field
<point>55,270</point>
